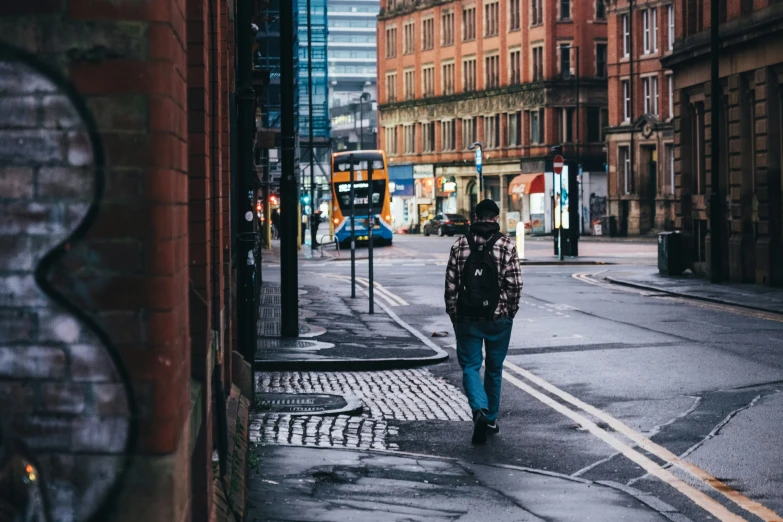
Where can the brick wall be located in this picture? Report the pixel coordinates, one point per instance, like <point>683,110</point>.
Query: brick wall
<point>128,273</point>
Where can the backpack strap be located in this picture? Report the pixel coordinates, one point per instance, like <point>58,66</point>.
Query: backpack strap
<point>494,239</point>
<point>471,242</point>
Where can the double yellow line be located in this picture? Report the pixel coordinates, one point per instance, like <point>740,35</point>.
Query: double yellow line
<point>380,291</point>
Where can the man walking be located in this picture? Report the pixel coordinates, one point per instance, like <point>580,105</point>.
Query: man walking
<point>483,285</point>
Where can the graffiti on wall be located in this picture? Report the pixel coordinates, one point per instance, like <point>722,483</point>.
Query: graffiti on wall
<point>67,412</point>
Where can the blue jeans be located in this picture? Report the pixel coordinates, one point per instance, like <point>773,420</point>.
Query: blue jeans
<point>495,335</point>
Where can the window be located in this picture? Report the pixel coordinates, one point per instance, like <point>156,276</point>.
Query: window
<point>514,129</point>
<point>409,137</point>
<point>469,23</point>
<point>391,87</point>
<point>409,40</point>
<point>492,131</point>
<point>669,150</point>
<point>447,27</point>
<point>600,60</point>
<point>469,74</point>
<point>565,125</point>
<point>409,84</point>
<point>538,63</point>
<point>626,37</point>
<point>670,81</point>
<point>670,19</point>
<point>654,31</point>
<point>448,133</point>
<point>626,100</point>
<point>600,10</point>
<point>565,9</point>
<point>447,72</point>
<point>646,30</point>
<point>468,132</point>
<point>428,34</point>
<point>650,85</point>
<point>565,60</point>
<point>391,140</point>
<point>391,42</point>
<point>594,126</point>
<point>654,85</point>
<point>492,72</point>
<point>537,126</point>
<point>515,70</point>
<point>428,137</point>
<point>536,12</point>
<point>625,169</point>
<point>491,18</point>
<point>428,80</point>
<point>513,15</point>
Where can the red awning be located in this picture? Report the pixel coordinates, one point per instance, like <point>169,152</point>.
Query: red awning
<point>526,184</point>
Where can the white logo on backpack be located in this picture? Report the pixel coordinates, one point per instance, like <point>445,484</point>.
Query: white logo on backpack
<point>479,271</point>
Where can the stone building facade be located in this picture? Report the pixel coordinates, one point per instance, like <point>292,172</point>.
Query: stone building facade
<point>640,138</point>
<point>750,147</point>
<point>116,324</point>
<point>503,72</point>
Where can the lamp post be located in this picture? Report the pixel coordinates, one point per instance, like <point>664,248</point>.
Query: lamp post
<point>362,98</point>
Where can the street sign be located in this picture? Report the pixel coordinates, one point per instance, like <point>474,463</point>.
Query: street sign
<point>557,164</point>
<point>478,158</point>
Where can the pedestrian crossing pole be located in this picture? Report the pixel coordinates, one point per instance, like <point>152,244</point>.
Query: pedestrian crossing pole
<point>370,226</point>
<point>353,234</point>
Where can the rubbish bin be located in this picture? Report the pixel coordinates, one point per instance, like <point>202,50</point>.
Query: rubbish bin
<point>609,226</point>
<point>671,253</point>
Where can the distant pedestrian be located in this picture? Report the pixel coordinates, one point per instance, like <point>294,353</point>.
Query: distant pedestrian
<point>275,219</point>
<point>483,286</point>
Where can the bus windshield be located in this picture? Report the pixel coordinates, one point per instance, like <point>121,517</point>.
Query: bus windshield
<point>360,200</point>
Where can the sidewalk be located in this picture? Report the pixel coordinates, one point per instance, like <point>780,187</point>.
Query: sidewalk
<point>336,332</point>
<point>313,485</point>
<point>754,297</point>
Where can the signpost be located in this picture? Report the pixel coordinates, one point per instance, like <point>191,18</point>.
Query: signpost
<point>478,169</point>
<point>557,168</point>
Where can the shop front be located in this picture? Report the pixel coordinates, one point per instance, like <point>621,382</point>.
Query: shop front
<point>424,199</point>
<point>446,194</point>
<point>402,189</point>
<point>526,194</point>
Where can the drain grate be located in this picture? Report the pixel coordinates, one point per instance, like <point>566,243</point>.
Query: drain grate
<point>284,343</point>
<point>270,299</point>
<point>306,404</point>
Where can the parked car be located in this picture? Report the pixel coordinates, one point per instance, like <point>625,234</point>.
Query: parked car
<point>446,225</point>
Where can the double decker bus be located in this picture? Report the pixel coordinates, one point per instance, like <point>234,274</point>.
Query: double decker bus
<point>360,163</point>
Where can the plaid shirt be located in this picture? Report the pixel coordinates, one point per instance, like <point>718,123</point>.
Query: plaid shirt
<point>509,275</point>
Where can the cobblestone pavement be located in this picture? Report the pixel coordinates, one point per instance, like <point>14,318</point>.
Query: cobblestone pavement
<point>388,396</point>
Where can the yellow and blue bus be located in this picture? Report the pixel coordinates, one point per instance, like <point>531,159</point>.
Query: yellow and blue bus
<point>362,161</point>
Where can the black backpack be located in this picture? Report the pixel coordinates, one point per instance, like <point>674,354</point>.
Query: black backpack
<point>479,291</point>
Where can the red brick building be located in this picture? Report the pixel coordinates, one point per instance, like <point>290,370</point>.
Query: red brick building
<point>502,72</point>
<point>750,119</point>
<point>115,256</point>
<point>639,143</point>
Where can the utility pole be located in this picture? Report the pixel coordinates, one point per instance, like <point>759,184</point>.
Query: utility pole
<point>245,207</point>
<point>289,197</point>
<point>716,97</point>
<point>313,239</point>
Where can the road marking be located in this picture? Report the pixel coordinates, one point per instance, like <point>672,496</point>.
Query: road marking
<point>700,498</point>
<point>659,451</point>
<point>382,290</point>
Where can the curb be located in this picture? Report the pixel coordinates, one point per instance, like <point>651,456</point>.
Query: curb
<point>360,364</point>
<point>565,263</point>
<point>690,296</point>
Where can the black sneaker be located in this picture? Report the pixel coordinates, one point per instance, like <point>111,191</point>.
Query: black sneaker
<point>480,423</point>
<point>493,428</point>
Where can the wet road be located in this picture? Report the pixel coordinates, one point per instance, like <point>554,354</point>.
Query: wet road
<point>612,384</point>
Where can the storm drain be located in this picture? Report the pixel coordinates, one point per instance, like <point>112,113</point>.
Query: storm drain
<point>307,404</point>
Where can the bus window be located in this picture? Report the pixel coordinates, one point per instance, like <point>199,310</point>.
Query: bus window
<point>360,200</point>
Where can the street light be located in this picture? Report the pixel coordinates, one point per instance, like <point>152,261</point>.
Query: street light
<point>364,97</point>
<point>477,146</point>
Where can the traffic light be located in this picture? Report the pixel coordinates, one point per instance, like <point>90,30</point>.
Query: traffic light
<point>306,199</point>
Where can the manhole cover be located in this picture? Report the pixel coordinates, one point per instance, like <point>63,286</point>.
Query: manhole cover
<point>307,404</point>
